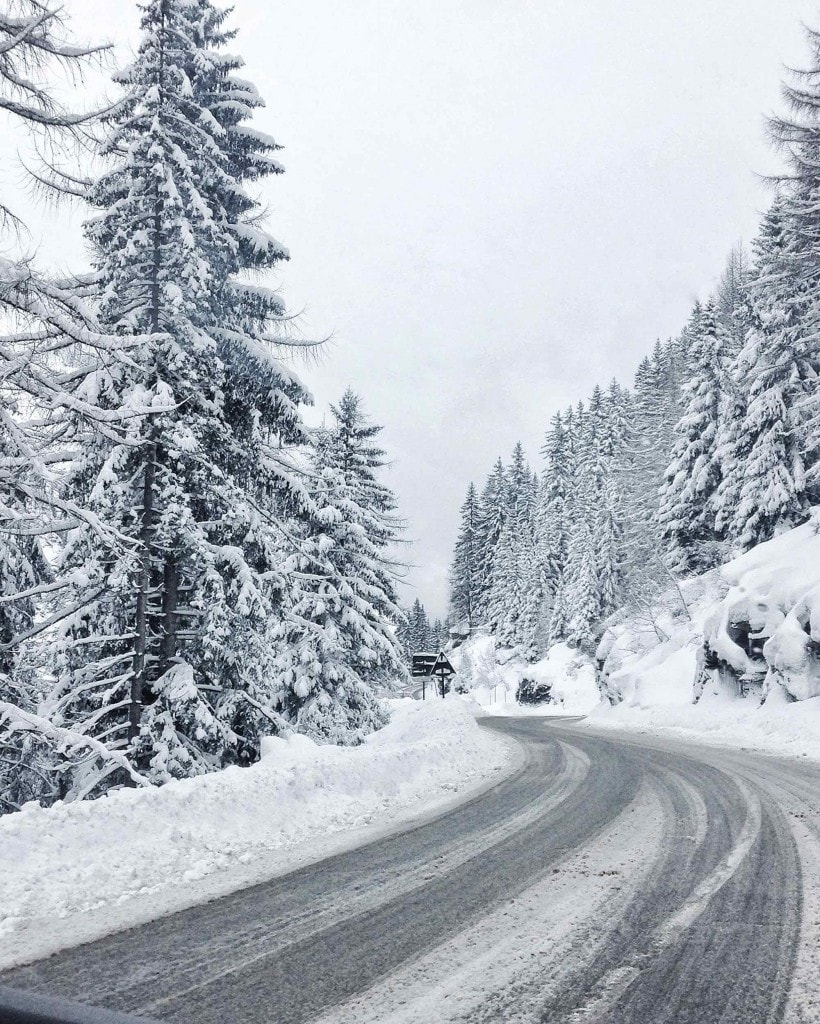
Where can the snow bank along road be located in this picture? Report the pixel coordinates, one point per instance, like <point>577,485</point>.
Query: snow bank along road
<point>610,878</point>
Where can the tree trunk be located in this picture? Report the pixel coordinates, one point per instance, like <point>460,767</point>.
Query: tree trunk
<point>143,593</point>
<point>170,604</point>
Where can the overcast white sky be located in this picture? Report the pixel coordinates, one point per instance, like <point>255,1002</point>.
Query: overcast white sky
<point>494,204</point>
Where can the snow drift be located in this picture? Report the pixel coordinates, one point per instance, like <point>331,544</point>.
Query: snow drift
<point>74,872</point>
<point>732,657</point>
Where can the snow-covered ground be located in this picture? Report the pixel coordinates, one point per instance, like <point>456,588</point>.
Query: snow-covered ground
<point>653,660</point>
<point>75,872</point>
<point>788,729</point>
<point>492,677</point>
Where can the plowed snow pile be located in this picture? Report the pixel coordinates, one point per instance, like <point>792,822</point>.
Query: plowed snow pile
<point>74,872</point>
<point>731,657</point>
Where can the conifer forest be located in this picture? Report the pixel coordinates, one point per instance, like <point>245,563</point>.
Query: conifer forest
<point>416,619</point>
<point>185,566</point>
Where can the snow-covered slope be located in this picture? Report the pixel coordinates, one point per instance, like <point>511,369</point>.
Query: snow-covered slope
<point>753,624</point>
<point>74,872</point>
<point>732,656</point>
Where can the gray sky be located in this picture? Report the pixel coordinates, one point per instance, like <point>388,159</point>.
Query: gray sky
<point>494,204</point>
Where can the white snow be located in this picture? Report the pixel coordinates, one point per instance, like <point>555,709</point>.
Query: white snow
<point>492,675</point>
<point>652,659</point>
<point>790,729</point>
<point>75,872</point>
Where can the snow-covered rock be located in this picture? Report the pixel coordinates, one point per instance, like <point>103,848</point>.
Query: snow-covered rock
<point>753,625</point>
<point>730,657</point>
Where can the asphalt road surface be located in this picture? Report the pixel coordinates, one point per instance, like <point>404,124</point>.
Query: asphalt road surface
<point>610,878</point>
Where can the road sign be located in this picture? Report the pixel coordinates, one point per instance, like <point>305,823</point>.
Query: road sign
<point>441,672</point>
<point>442,667</point>
<point>438,666</point>
<point>423,663</point>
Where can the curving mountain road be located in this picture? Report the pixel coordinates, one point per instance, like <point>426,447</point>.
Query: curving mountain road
<point>608,879</point>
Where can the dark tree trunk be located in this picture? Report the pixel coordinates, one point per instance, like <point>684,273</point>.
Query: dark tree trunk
<point>143,594</point>
<point>170,605</point>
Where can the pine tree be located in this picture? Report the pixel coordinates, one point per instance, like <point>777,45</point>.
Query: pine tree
<point>515,593</point>
<point>582,587</point>
<point>798,263</point>
<point>351,552</point>
<point>180,616</point>
<point>551,513</point>
<point>338,637</point>
<point>464,573</point>
<point>765,470</point>
<point>732,300</point>
<point>47,324</point>
<point>639,463</point>
<point>492,515</point>
<point>732,303</point>
<point>557,630</point>
<point>420,634</point>
<point>692,478</point>
<point>608,551</point>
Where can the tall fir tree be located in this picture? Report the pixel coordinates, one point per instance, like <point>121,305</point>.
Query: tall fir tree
<point>172,652</point>
<point>798,137</point>
<point>340,634</point>
<point>690,484</point>
<point>419,628</point>
<point>551,515</point>
<point>765,469</point>
<point>582,587</point>
<point>339,642</point>
<point>492,516</point>
<point>464,572</point>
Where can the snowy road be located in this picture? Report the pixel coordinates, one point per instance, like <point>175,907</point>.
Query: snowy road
<point>610,878</point>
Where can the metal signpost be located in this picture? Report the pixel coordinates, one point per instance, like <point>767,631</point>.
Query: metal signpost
<point>422,666</point>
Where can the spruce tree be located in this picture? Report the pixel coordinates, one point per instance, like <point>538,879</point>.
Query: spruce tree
<point>798,137</point>
<point>551,515</point>
<point>765,468</point>
<point>582,587</point>
<point>419,632</point>
<point>338,639</point>
<point>464,573</point>
<point>340,644</point>
<point>179,616</point>
<point>48,331</point>
<point>492,516</point>
<point>514,596</point>
<point>690,484</point>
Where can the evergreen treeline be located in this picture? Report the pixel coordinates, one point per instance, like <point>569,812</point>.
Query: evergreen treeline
<point>185,567</point>
<point>714,449</point>
<point>419,634</point>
